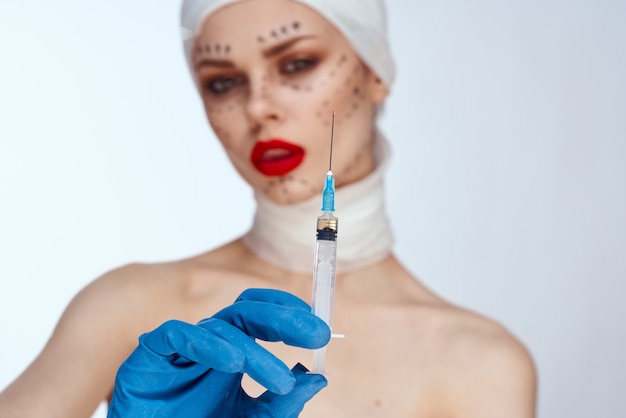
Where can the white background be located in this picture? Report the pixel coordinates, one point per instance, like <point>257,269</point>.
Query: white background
<point>507,188</point>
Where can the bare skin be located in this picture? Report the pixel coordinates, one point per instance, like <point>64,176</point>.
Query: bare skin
<point>407,352</point>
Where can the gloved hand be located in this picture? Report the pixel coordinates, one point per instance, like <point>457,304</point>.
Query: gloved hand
<point>185,370</point>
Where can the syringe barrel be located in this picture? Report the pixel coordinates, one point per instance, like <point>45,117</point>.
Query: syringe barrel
<point>324,267</point>
<point>324,280</point>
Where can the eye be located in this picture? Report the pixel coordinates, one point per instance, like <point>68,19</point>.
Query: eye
<point>298,65</point>
<point>222,85</point>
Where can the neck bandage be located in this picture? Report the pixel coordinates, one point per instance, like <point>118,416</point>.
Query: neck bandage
<point>284,235</point>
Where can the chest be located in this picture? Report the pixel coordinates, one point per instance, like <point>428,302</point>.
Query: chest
<point>380,369</point>
<point>384,367</point>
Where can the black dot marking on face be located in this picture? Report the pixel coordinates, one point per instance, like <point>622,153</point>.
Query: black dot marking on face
<point>340,63</point>
<point>224,136</point>
<point>227,49</point>
<point>305,183</point>
<point>356,91</point>
<point>260,39</point>
<point>332,72</point>
<point>207,49</point>
<point>218,47</point>
<point>281,185</point>
<point>295,87</point>
<point>281,31</point>
<point>268,187</point>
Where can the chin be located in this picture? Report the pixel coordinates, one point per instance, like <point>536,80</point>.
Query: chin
<point>285,192</point>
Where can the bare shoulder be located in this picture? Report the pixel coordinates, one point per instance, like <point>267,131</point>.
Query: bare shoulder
<point>99,329</point>
<point>441,360</point>
<point>129,292</point>
<point>475,366</point>
<point>490,373</point>
<point>148,294</point>
<point>140,296</point>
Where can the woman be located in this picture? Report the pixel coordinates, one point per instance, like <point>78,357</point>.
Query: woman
<point>270,74</point>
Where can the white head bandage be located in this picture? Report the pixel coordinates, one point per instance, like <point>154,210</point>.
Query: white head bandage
<point>362,22</point>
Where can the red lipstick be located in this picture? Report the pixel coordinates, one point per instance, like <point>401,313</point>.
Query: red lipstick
<point>276,157</point>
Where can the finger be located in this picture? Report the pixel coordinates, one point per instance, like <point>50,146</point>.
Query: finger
<point>272,322</point>
<point>291,404</point>
<point>219,345</point>
<point>213,347</point>
<point>277,297</point>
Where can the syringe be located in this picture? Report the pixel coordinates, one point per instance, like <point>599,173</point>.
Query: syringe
<point>325,254</point>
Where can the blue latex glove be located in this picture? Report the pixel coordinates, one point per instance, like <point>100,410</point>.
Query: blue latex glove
<point>185,370</point>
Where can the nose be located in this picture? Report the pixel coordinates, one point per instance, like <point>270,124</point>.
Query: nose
<point>262,106</point>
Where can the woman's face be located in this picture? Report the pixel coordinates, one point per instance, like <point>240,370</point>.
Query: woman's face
<point>271,73</point>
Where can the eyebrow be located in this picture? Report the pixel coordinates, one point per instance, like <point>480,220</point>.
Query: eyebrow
<point>267,53</point>
<point>283,46</point>
<point>209,62</point>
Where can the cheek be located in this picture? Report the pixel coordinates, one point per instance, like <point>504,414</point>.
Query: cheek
<point>343,91</point>
<point>223,117</point>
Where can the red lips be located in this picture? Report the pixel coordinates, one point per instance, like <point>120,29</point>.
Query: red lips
<point>276,157</point>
